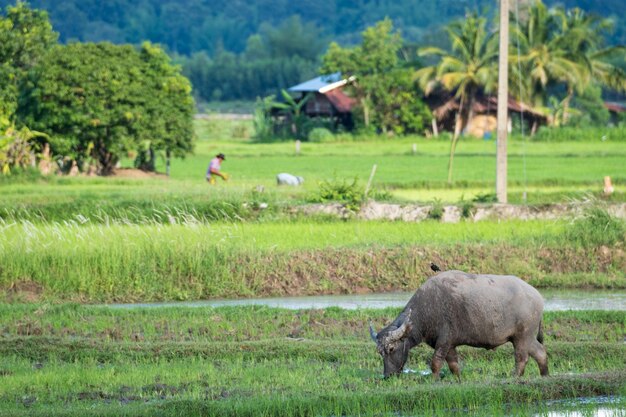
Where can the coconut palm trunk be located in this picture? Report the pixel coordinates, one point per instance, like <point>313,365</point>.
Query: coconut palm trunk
<point>463,117</point>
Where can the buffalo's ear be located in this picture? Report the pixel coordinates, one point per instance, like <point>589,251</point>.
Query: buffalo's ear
<point>373,333</point>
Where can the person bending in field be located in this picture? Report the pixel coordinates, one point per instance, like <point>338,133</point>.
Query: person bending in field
<point>214,169</point>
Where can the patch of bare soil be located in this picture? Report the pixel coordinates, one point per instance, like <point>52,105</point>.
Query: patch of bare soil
<point>24,291</point>
<point>136,173</point>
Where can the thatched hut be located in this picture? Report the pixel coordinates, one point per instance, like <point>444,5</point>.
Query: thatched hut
<point>444,107</point>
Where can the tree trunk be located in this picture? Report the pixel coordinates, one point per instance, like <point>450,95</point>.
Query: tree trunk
<point>366,111</point>
<point>106,159</point>
<point>435,130</point>
<point>458,127</point>
<point>566,103</point>
<point>167,162</point>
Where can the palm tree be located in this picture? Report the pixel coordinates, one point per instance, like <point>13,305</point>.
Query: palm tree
<point>584,37</point>
<point>470,67</point>
<point>559,47</point>
<point>543,60</point>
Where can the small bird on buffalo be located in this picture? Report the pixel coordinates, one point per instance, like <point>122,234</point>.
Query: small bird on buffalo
<point>434,267</point>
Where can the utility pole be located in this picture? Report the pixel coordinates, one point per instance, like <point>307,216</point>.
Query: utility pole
<point>503,103</point>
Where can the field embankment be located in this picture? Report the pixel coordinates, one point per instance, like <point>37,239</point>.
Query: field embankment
<point>131,263</point>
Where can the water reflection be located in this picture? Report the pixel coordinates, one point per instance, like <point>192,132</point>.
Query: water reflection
<point>585,407</point>
<point>600,412</point>
<point>555,300</point>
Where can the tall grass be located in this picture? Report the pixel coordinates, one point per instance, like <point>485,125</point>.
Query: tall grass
<point>96,263</point>
<point>596,227</point>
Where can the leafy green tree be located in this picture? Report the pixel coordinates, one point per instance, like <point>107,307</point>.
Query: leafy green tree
<point>168,111</point>
<point>262,119</point>
<point>99,101</point>
<point>293,38</point>
<point>590,106</point>
<point>377,54</point>
<point>25,36</point>
<point>395,99</point>
<point>467,69</point>
<point>372,64</point>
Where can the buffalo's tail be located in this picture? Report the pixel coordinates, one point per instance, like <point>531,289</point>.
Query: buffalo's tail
<point>540,333</point>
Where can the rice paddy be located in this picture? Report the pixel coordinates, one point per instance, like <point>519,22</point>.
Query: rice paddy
<point>67,243</point>
<point>78,360</point>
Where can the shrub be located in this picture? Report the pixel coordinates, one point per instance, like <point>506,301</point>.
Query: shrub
<point>349,193</point>
<point>485,198</point>
<point>596,227</point>
<point>436,210</point>
<point>320,135</point>
<point>468,208</point>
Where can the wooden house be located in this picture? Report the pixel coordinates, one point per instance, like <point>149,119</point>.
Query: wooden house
<point>327,98</point>
<point>615,110</point>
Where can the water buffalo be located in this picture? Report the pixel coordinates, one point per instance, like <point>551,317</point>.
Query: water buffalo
<point>455,308</point>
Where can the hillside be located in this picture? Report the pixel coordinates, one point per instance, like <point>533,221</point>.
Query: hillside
<point>242,50</point>
<point>188,26</point>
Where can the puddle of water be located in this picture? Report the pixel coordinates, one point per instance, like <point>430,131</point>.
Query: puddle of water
<point>555,300</point>
<point>576,407</point>
<point>585,407</point>
<point>598,412</point>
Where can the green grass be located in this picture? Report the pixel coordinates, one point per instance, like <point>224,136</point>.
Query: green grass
<point>75,360</point>
<point>97,240</point>
<point>548,172</point>
<point>95,263</point>
<point>559,172</point>
<point>397,167</point>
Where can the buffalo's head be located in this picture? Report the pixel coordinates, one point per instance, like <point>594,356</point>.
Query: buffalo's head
<point>393,345</point>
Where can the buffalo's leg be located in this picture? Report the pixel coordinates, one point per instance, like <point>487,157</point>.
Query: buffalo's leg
<point>441,352</point>
<point>453,363</point>
<point>521,357</point>
<point>538,353</point>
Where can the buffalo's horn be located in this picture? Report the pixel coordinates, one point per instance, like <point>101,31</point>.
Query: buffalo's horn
<point>402,330</point>
<point>373,333</point>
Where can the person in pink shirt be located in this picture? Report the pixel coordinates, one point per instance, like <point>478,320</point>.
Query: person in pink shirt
<point>214,169</point>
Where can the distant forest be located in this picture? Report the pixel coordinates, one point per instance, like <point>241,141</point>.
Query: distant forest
<point>235,49</point>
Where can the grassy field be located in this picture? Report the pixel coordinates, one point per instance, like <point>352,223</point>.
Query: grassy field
<point>249,361</point>
<point>547,172</point>
<point>128,263</point>
<point>151,238</point>
<point>156,238</point>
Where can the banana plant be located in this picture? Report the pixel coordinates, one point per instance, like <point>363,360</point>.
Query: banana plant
<point>16,148</point>
<point>293,108</point>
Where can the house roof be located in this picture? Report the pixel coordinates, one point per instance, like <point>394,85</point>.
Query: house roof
<point>340,100</point>
<point>321,84</point>
<point>442,103</point>
<point>615,107</point>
